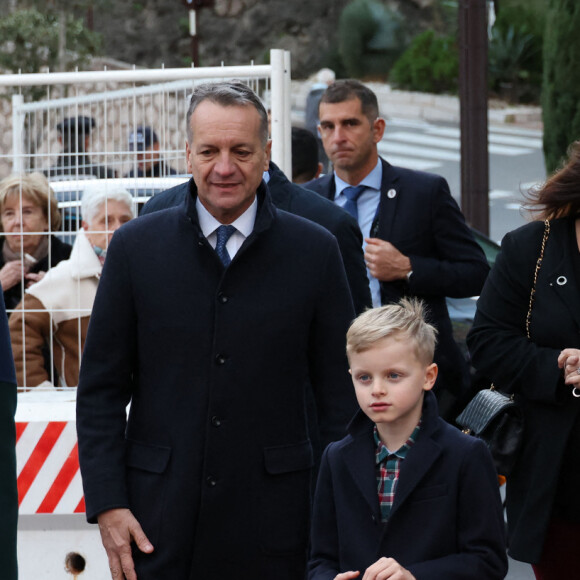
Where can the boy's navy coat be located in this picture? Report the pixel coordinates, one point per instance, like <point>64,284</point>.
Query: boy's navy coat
<point>215,460</point>
<point>446,521</point>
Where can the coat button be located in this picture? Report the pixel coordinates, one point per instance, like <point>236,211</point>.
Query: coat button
<point>222,298</point>
<point>215,421</point>
<point>220,359</point>
<point>211,482</point>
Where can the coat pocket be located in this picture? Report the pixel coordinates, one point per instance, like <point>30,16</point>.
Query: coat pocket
<point>146,484</point>
<point>285,498</point>
<point>286,458</point>
<point>147,457</point>
<point>430,492</point>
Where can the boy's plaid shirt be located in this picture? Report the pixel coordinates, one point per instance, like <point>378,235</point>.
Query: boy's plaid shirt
<point>388,468</point>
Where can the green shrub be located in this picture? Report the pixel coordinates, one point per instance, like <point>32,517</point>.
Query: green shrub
<point>515,51</point>
<point>429,65</point>
<point>371,37</point>
<point>511,51</point>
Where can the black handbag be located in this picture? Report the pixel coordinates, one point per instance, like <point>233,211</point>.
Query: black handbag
<point>494,417</point>
<point>499,421</point>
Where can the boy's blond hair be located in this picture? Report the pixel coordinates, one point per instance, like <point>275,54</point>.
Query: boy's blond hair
<point>405,319</point>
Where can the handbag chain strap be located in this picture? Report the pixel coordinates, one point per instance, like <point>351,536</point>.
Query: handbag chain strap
<point>536,272</point>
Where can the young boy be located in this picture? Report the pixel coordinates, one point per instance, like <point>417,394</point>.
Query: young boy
<point>404,495</point>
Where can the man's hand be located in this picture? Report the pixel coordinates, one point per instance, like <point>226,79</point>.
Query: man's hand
<point>11,273</point>
<point>387,569</point>
<point>384,261</point>
<point>347,575</point>
<point>118,527</point>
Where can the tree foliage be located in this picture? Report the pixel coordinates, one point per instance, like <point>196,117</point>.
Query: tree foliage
<point>561,85</point>
<point>430,65</point>
<point>31,39</point>
<point>515,51</point>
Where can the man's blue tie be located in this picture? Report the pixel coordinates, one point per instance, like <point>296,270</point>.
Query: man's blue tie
<point>223,235</point>
<point>352,194</point>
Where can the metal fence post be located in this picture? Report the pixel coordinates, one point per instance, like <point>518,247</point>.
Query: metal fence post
<point>17,134</point>
<point>279,131</point>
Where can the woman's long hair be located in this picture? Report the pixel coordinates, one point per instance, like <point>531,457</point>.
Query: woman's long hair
<point>559,196</point>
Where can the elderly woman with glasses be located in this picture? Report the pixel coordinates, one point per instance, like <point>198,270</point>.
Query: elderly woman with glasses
<point>28,213</point>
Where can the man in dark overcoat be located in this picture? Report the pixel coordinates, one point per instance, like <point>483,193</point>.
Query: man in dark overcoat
<point>212,334</point>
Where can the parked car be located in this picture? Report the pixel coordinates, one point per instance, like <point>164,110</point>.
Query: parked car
<point>462,310</point>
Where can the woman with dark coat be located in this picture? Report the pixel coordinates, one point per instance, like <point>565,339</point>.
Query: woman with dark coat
<point>28,208</point>
<point>543,492</point>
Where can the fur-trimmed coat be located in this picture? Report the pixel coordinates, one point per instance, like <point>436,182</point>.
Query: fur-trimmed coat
<point>61,302</point>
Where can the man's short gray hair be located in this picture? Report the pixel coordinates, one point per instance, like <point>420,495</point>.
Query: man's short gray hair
<point>98,192</point>
<point>228,94</point>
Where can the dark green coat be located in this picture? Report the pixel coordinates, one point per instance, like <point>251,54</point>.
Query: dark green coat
<point>8,491</point>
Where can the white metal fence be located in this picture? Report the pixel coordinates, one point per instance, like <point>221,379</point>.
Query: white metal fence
<point>117,102</point>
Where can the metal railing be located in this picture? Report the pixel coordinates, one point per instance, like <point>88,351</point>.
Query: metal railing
<point>33,124</point>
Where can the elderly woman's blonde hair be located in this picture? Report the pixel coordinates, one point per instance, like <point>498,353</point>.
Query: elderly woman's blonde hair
<point>35,187</point>
<point>404,320</point>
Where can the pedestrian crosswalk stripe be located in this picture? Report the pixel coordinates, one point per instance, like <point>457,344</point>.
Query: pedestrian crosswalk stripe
<point>429,153</point>
<point>500,194</point>
<point>423,139</point>
<point>499,145</point>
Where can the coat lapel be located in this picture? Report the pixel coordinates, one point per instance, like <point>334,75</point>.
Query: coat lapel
<point>358,455</point>
<point>326,187</point>
<point>389,200</point>
<point>421,457</point>
<point>414,468</point>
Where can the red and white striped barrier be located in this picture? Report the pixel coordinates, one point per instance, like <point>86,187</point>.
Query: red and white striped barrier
<point>49,479</point>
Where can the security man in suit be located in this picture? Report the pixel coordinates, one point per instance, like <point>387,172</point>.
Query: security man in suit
<point>416,241</point>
